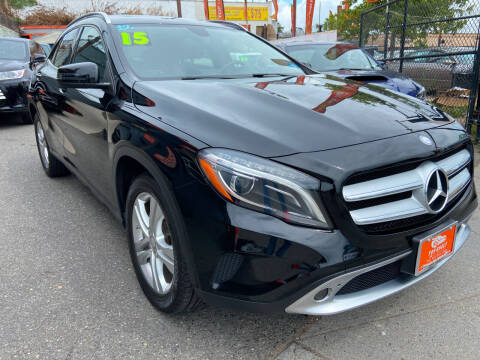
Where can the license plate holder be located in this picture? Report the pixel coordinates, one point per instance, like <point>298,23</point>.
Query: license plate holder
<point>435,247</point>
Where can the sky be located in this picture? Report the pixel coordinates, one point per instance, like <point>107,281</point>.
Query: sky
<point>284,15</point>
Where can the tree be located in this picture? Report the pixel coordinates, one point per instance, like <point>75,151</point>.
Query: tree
<point>20,4</point>
<point>280,28</point>
<point>347,21</point>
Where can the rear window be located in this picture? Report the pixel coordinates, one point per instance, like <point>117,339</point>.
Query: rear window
<point>12,50</point>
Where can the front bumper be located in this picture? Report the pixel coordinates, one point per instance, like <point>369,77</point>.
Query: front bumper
<point>14,96</point>
<point>331,303</point>
<point>308,261</point>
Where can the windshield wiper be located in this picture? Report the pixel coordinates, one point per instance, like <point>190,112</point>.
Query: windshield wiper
<point>350,69</point>
<point>270,75</point>
<point>209,77</point>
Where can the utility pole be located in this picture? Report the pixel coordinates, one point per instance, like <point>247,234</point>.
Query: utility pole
<point>179,9</point>
<point>319,15</point>
<point>245,11</point>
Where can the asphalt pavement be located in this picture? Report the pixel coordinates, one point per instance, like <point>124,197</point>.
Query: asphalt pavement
<point>68,291</point>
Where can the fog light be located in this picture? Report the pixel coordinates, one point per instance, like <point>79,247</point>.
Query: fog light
<point>321,295</point>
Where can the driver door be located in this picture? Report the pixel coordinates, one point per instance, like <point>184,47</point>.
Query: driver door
<point>86,121</point>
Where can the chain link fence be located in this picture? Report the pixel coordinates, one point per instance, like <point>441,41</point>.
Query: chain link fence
<point>436,43</point>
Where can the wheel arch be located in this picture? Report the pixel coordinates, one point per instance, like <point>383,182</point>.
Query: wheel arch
<point>128,164</point>
<point>137,162</point>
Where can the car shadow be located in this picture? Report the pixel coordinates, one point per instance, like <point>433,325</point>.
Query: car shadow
<point>10,120</point>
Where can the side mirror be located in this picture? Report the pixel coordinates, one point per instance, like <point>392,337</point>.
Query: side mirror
<point>382,63</point>
<point>38,58</point>
<point>79,76</point>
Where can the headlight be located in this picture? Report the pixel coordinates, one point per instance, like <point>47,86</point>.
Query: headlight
<point>14,74</point>
<point>422,94</point>
<point>263,185</point>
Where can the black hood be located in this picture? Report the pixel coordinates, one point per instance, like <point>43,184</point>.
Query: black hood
<point>9,65</point>
<point>283,116</point>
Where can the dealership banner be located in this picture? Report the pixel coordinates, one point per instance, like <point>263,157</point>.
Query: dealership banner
<point>237,13</point>
<point>275,5</point>
<point>219,10</point>
<point>294,18</point>
<point>309,18</point>
<point>205,8</point>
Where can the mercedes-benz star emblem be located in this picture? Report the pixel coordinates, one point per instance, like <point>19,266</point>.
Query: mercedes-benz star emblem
<point>436,190</point>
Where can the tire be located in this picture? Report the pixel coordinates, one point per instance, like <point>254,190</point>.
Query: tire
<point>156,249</point>
<point>27,118</point>
<point>52,166</point>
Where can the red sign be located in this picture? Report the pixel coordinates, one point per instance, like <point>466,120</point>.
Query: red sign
<point>220,10</point>
<point>309,18</point>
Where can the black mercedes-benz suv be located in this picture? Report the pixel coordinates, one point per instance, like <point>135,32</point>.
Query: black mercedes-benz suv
<point>242,177</point>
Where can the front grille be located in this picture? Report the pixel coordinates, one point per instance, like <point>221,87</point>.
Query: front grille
<point>372,278</point>
<point>400,199</point>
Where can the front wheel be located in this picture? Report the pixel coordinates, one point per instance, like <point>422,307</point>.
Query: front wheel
<point>156,232</point>
<point>52,166</point>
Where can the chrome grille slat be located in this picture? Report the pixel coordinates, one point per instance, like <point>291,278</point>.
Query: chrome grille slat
<point>455,166</point>
<point>2,97</point>
<point>457,183</point>
<point>384,186</point>
<point>455,162</point>
<point>388,212</point>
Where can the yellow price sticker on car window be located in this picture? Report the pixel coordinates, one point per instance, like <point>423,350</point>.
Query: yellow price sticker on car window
<point>135,38</point>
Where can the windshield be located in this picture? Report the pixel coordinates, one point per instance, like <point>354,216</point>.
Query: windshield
<point>328,57</point>
<point>192,51</point>
<point>12,50</point>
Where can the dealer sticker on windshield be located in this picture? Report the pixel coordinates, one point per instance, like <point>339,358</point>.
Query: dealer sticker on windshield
<point>434,248</point>
<point>131,37</point>
<point>134,38</point>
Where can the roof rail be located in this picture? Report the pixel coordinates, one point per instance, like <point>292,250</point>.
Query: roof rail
<point>229,24</point>
<point>99,14</point>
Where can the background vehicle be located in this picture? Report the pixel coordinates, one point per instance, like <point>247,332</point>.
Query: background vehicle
<point>439,72</point>
<point>18,58</point>
<point>349,62</point>
<point>240,175</point>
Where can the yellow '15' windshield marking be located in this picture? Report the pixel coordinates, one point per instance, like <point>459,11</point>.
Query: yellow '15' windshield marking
<point>139,38</point>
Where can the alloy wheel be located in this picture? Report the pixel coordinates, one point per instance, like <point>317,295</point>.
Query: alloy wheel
<point>153,243</point>
<point>42,145</point>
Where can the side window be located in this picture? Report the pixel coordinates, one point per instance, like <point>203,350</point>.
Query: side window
<point>91,49</point>
<point>65,49</point>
